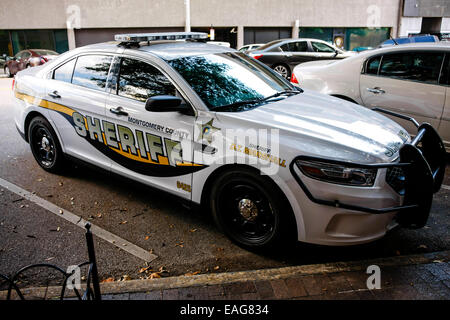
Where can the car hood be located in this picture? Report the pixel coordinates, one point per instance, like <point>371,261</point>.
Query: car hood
<point>329,127</point>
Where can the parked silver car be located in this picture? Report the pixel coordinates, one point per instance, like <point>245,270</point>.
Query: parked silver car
<point>412,79</point>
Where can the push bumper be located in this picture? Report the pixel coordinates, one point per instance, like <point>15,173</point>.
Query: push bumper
<point>422,163</point>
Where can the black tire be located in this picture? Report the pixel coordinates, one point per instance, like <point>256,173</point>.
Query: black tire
<point>251,210</point>
<point>45,145</point>
<point>282,70</point>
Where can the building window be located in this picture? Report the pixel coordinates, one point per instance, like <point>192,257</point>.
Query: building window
<point>352,37</point>
<point>11,42</point>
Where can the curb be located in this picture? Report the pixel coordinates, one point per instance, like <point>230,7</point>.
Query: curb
<point>146,285</point>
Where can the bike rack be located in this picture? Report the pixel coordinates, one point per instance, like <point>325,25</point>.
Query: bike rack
<point>92,291</point>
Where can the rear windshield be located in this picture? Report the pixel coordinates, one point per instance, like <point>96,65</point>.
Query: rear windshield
<point>267,45</point>
<point>46,52</point>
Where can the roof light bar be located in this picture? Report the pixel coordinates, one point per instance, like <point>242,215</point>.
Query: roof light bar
<point>138,37</point>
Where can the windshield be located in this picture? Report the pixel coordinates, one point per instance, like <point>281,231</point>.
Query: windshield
<point>229,79</point>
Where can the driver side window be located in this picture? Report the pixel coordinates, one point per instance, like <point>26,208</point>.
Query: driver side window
<point>139,80</point>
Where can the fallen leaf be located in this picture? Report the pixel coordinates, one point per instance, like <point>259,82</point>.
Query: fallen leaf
<point>192,230</point>
<point>61,212</point>
<point>216,268</point>
<point>99,215</point>
<point>163,270</point>
<point>123,222</point>
<point>125,278</point>
<point>179,244</point>
<point>189,274</point>
<point>107,280</point>
<point>438,261</point>
<point>51,258</point>
<point>39,180</point>
<point>422,246</point>
<point>71,199</point>
<point>142,270</point>
<point>155,275</point>
<point>147,237</point>
<point>61,184</point>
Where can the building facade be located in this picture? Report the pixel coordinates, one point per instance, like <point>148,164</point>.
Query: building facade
<point>65,24</point>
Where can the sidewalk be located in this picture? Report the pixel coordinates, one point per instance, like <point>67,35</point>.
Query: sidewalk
<point>425,276</point>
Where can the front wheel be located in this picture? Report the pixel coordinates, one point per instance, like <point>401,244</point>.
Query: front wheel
<point>250,209</point>
<point>45,146</point>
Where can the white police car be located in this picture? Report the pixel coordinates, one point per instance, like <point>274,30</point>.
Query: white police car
<point>217,128</point>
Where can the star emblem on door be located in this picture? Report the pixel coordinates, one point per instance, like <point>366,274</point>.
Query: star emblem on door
<point>206,131</point>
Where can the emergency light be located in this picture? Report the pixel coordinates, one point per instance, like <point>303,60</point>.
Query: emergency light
<point>138,37</point>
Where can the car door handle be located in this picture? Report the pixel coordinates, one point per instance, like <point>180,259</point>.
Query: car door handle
<point>376,90</point>
<point>54,95</point>
<point>118,111</point>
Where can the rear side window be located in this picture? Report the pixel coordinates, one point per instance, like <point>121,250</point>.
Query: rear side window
<point>372,65</point>
<point>139,80</point>
<point>64,72</point>
<point>91,71</point>
<point>301,46</point>
<point>418,66</point>
<point>321,47</point>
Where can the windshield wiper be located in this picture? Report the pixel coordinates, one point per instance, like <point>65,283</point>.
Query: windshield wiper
<point>255,101</point>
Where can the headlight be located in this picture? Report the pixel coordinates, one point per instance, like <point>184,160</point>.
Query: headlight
<point>337,173</point>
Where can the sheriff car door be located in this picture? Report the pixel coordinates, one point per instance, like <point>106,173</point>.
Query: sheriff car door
<point>76,96</point>
<point>152,147</point>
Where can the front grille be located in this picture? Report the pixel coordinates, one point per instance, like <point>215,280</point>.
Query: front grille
<point>395,177</point>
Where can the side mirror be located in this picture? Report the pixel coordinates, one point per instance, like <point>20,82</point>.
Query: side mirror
<point>166,104</point>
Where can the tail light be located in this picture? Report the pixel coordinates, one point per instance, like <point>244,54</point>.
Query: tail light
<point>13,84</point>
<point>43,60</point>
<point>256,56</point>
<point>294,78</point>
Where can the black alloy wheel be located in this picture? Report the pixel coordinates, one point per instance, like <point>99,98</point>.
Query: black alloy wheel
<point>45,145</point>
<point>249,208</point>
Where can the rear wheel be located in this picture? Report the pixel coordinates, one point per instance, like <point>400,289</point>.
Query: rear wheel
<point>250,209</point>
<point>45,146</point>
<point>282,70</point>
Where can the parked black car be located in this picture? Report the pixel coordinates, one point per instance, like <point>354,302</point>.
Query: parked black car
<point>283,55</point>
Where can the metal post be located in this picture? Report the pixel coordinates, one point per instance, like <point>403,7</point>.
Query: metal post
<point>91,253</point>
<point>187,4</point>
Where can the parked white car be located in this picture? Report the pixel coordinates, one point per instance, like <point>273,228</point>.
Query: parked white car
<point>183,116</point>
<point>412,79</point>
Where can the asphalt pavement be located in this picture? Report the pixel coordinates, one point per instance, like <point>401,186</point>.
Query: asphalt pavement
<point>185,242</point>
